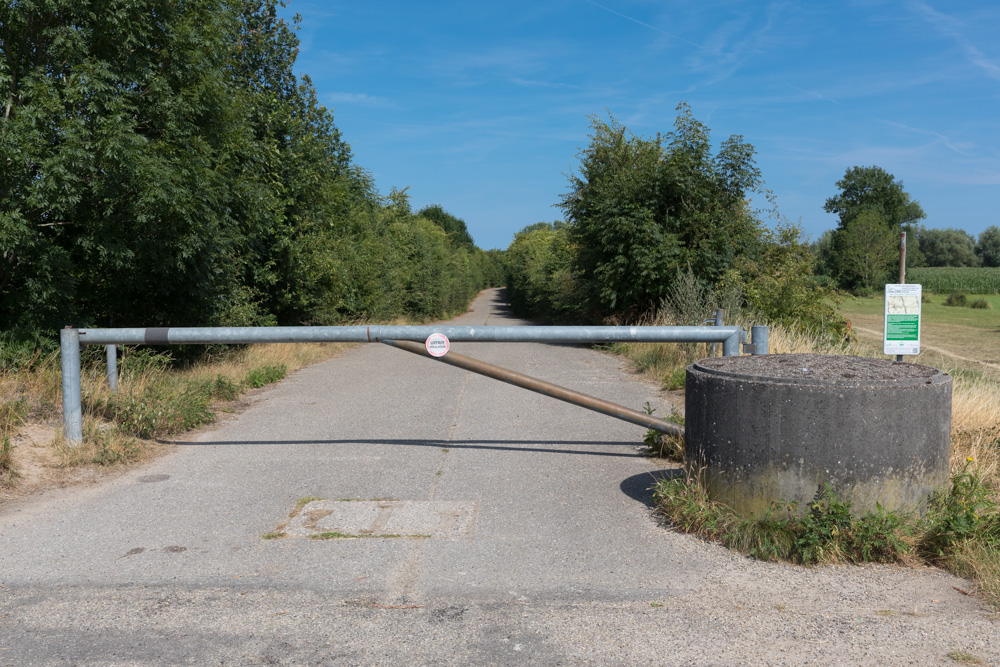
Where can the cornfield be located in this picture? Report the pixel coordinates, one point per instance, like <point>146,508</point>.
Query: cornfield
<point>948,279</point>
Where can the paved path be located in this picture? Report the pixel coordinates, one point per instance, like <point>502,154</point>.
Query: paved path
<point>525,539</point>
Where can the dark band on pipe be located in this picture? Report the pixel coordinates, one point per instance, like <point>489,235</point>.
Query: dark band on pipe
<point>156,336</point>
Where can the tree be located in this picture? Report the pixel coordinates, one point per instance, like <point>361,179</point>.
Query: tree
<point>162,164</point>
<point>988,247</point>
<point>822,253</point>
<point>868,247</point>
<point>116,127</point>
<point>456,229</point>
<point>948,247</point>
<point>640,211</point>
<point>868,190</point>
<point>873,189</point>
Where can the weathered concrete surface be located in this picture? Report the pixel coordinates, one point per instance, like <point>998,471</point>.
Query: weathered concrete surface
<point>780,427</point>
<point>563,565</point>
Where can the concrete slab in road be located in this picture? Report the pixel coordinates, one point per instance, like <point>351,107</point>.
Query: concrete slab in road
<point>524,537</point>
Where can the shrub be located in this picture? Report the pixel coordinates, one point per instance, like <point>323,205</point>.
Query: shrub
<point>259,377</point>
<point>967,509</point>
<point>980,304</point>
<point>955,299</point>
<point>7,471</point>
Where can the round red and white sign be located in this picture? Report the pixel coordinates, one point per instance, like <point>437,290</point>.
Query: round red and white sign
<point>437,345</point>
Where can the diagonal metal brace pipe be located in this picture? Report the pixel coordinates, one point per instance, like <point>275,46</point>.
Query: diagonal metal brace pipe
<point>542,387</point>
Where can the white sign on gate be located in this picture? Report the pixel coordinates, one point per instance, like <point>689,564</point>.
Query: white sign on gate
<point>437,345</point>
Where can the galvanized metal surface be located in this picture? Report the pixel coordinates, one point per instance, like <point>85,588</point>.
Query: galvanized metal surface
<point>69,344</point>
<point>112,351</point>
<point>542,387</point>
<point>378,333</point>
<point>730,336</point>
<point>758,340</point>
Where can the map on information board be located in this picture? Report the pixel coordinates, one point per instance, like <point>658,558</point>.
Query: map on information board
<point>902,320</point>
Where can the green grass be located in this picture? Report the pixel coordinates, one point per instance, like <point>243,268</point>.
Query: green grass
<point>828,532</point>
<point>665,445</point>
<point>302,502</point>
<point>934,310</point>
<point>265,375</point>
<point>965,658</point>
<point>8,472</point>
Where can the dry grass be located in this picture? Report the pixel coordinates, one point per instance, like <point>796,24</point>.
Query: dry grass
<point>153,401</point>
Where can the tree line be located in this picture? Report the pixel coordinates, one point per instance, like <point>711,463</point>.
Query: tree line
<point>162,164</point>
<point>862,253</point>
<point>664,224</point>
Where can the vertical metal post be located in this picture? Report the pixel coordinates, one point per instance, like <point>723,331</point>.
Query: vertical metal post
<point>731,346</point>
<point>759,337</point>
<point>719,312</point>
<point>113,368</point>
<point>902,269</point>
<point>69,344</point>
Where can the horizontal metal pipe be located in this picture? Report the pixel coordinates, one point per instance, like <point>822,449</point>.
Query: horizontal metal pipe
<point>542,387</point>
<point>378,333</point>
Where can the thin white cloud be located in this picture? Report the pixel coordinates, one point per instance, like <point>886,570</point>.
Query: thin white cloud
<point>812,93</point>
<point>960,148</point>
<point>951,27</point>
<point>643,24</point>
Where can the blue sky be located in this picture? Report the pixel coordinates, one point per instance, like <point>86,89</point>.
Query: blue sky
<point>482,106</point>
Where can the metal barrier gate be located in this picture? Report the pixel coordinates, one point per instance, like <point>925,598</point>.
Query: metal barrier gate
<point>731,337</point>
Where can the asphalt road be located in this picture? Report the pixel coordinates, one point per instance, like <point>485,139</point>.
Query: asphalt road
<point>508,528</point>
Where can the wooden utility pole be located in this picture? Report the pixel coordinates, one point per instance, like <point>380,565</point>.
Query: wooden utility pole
<point>902,269</point>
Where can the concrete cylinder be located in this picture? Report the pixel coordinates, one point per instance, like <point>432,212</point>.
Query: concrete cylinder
<point>761,429</point>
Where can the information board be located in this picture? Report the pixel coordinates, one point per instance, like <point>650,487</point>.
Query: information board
<point>902,320</point>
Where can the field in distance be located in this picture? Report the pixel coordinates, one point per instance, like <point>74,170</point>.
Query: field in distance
<point>951,337</point>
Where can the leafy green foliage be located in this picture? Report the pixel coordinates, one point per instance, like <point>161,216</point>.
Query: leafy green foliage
<point>162,164</point>
<point>988,246</point>
<point>663,227</point>
<point>964,511</point>
<point>779,287</point>
<point>665,445</point>
<point>828,531</point>
<point>455,228</point>
<point>265,375</point>
<point>541,281</point>
<point>955,299</point>
<point>866,250</point>
<point>641,210</point>
<point>872,206</point>
<point>8,473</point>
<point>822,526</point>
<point>873,189</point>
<point>947,247</point>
